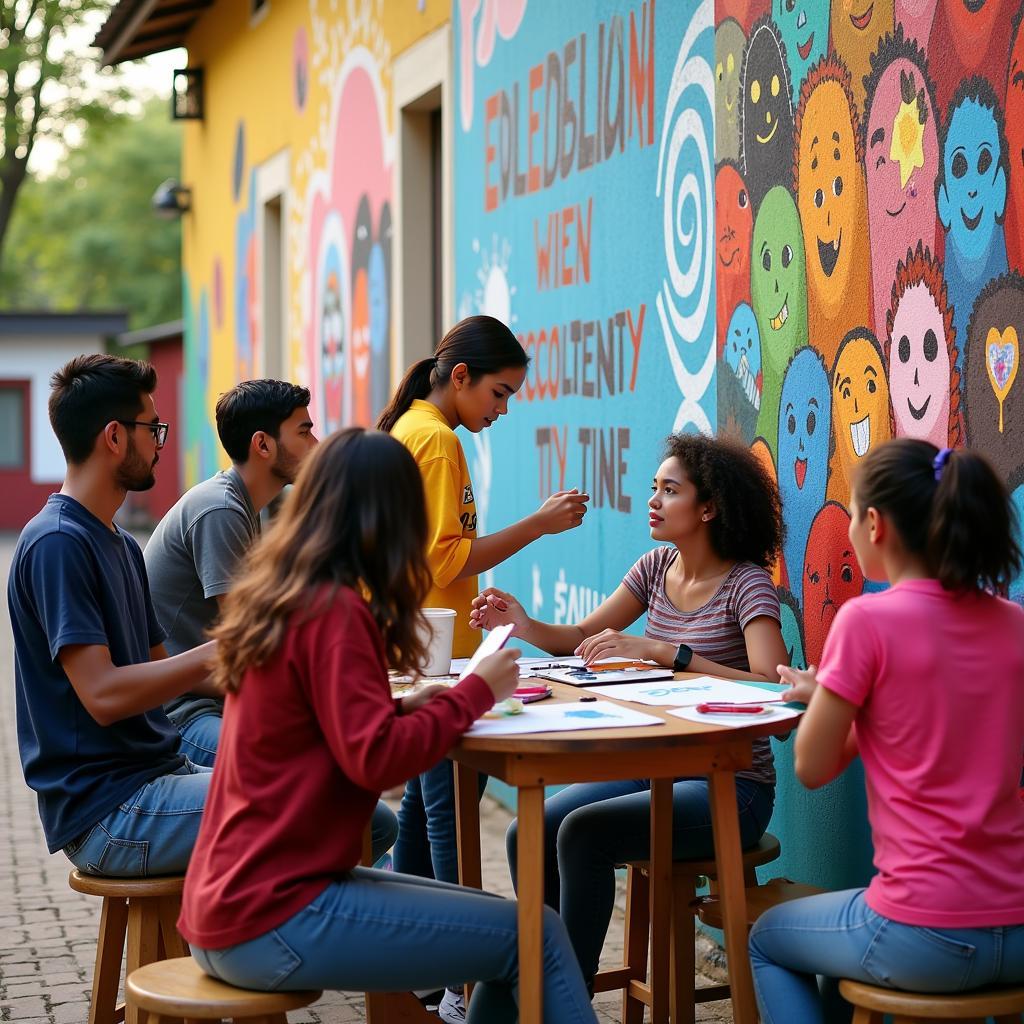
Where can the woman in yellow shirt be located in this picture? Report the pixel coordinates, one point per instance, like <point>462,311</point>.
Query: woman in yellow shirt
<point>468,382</point>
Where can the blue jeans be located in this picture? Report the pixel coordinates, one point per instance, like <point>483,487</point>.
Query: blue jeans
<point>380,931</point>
<point>200,736</point>
<point>427,844</point>
<point>590,828</point>
<point>837,935</point>
<point>151,833</point>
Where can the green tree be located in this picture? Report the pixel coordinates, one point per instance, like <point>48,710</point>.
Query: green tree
<point>87,237</point>
<point>48,85</point>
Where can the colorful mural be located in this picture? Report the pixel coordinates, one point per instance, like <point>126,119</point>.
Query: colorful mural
<point>588,132</point>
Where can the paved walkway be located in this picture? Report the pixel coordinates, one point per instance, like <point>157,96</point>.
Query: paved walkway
<point>48,932</point>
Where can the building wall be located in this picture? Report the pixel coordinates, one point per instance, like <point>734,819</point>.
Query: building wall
<point>307,83</point>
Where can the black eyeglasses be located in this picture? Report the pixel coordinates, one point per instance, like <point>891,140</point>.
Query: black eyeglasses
<point>159,430</point>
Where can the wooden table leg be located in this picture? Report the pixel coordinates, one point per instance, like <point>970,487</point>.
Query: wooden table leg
<point>661,897</point>
<point>467,824</point>
<point>530,891</point>
<point>729,858</point>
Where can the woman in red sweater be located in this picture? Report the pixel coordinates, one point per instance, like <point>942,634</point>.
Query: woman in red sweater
<point>274,898</point>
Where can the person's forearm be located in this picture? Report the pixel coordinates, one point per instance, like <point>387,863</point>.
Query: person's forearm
<point>557,640</point>
<point>123,691</point>
<point>487,552</point>
<point>713,668</point>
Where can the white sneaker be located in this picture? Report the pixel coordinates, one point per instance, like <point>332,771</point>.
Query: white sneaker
<point>452,1008</point>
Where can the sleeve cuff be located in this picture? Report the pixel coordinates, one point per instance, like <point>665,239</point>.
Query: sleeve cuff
<point>446,575</point>
<point>481,698</point>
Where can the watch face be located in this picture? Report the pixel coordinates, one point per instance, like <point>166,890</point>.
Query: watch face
<point>683,657</point>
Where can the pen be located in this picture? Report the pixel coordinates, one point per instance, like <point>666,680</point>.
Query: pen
<point>725,708</point>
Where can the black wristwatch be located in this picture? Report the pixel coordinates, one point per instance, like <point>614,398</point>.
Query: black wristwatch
<point>684,655</point>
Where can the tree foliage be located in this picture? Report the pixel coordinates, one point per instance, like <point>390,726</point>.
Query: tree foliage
<point>87,238</point>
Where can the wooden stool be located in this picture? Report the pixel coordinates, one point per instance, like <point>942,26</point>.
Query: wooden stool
<point>1004,1004</point>
<point>176,989</point>
<point>143,910</point>
<point>759,899</point>
<point>632,976</point>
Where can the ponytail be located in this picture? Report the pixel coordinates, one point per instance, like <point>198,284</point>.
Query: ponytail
<point>483,343</point>
<point>417,383</point>
<point>949,507</point>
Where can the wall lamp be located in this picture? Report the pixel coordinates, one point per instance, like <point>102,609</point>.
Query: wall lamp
<point>171,199</point>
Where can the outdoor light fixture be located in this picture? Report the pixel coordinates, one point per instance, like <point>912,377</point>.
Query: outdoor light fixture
<point>171,199</point>
<point>187,94</point>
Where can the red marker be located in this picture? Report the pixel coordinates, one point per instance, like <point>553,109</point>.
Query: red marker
<point>711,708</point>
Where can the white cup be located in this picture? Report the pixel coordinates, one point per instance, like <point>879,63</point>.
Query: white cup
<point>441,623</point>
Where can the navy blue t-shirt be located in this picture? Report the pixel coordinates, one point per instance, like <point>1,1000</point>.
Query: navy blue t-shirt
<point>75,581</point>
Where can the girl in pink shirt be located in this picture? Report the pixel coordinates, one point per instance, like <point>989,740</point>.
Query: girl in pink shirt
<point>924,681</point>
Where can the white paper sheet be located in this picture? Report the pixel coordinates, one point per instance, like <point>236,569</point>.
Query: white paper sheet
<point>526,665</point>
<point>772,713</point>
<point>600,714</point>
<point>686,692</point>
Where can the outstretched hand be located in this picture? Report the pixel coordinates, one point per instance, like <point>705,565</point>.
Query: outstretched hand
<point>802,682</point>
<point>493,607</point>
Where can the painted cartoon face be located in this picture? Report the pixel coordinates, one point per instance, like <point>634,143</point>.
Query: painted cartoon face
<point>729,44</point>
<point>734,224</point>
<point>743,347</point>
<point>380,312</point>
<point>857,26</point>
<point>831,198</point>
<point>803,25</point>
<point>1014,120</point>
<point>332,345</point>
<point>902,161</point>
<point>777,282</point>
<point>916,18</point>
<point>767,112</point>
<point>919,368</point>
<point>860,400</point>
<point>972,195</point>
<point>831,575</point>
<point>993,382</point>
<point>972,36</point>
<point>805,431</point>
<point>741,10</point>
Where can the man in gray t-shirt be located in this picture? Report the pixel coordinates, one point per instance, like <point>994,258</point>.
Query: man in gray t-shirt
<point>265,427</point>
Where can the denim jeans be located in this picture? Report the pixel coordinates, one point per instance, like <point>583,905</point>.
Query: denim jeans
<point>200,736</point>
<point>837,935</point>
<point>590,828</point>
<point>427,845</point>
<point>151,833</point>
<point>380,931</point>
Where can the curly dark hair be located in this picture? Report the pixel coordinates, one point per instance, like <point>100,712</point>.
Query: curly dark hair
<point>748,526</point>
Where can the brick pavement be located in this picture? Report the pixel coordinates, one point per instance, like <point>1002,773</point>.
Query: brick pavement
<point>48,932</point>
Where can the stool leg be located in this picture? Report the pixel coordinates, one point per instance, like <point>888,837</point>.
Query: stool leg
<point>143,942</point>
<point>168,909</point>
<point>684,955</point>
<point>107,973</point>
<point>862,1015</point>
<point>636,941</point>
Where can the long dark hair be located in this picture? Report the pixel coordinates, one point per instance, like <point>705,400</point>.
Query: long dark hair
<point>954,513</point>
<point>356,518</point>
<point>747,526</point>
<point>484,344</point>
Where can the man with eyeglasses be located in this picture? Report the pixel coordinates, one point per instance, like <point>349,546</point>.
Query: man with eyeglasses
<point>91,670</point>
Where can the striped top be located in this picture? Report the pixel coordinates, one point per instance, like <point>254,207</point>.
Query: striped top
<point>714,631</point>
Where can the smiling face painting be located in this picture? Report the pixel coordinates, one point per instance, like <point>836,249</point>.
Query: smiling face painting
<point>857,26</point>
<point>1014,107</point>
<point>860,407</point>
<point>833,205</point>
<point>734,224</point>
<point>739,391</point>
<point>804,28</point>
<point>805,433</point>
<point>920,353</point>
<point>901,156</point>
<point>778,289</point>
<point>729,44</point>
<point>766,121</point>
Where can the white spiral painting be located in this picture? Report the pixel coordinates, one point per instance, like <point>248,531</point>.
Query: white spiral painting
<point>686,189</point>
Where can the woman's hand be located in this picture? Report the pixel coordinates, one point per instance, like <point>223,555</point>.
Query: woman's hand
<point>500,672</point>
<point>610,643</point>
<point>801,682</point>
<point>420,696</point>
<point>493,607</point>
<point>563,511</point>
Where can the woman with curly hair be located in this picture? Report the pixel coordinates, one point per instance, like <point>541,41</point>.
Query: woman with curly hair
<point>711,607</point>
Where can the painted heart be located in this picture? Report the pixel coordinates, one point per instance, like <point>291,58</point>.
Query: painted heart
<point>1002,356</point>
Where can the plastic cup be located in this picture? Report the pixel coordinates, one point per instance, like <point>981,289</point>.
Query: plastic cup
<point>441,623</point>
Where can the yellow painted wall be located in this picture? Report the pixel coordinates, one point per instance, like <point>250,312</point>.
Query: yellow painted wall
<point>249,65</point>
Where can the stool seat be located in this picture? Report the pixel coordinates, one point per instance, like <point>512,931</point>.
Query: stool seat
<point>766,850</point>
<point>759,899</point>
<point>180,988</point>
<point>126,888</point>
<point>990,1002</point>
